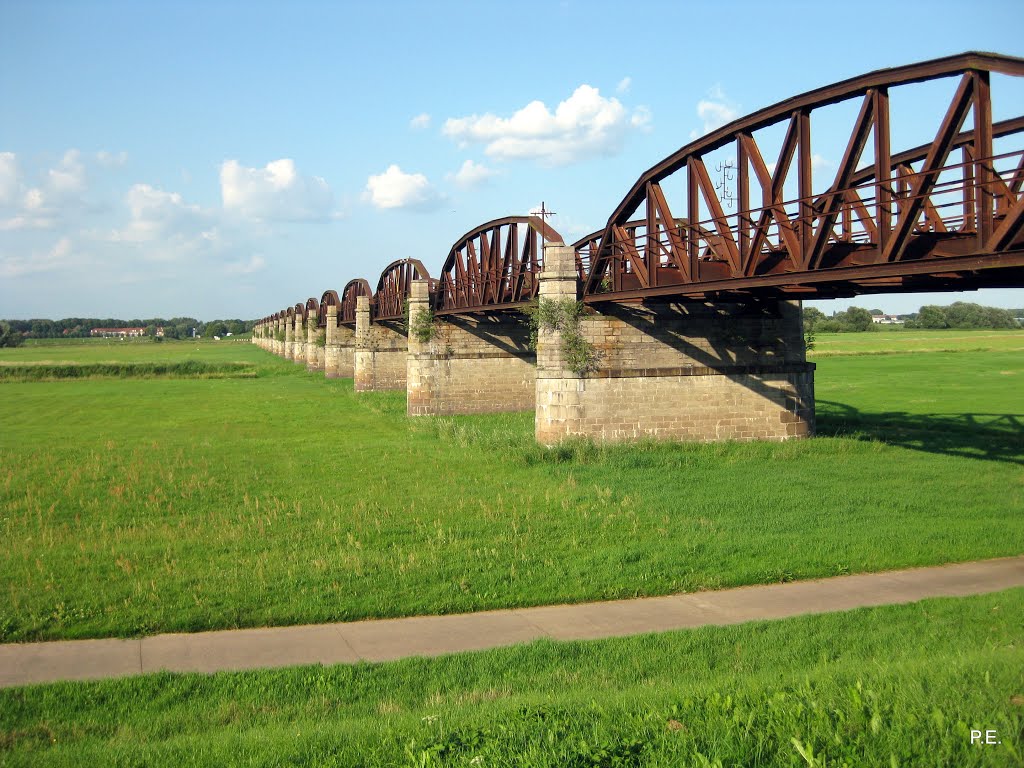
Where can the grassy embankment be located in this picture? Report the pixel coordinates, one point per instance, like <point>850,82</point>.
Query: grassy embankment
<point>893,686</point>
<point>147,505</point>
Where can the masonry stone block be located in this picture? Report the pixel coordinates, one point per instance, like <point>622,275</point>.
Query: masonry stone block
<point>676,371</point>
<point>379,355</point>
<point>478,363</point>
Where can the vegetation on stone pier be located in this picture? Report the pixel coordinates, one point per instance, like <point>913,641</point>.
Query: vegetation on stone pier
<point>563,316</point>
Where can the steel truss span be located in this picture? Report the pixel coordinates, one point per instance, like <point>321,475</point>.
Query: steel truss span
<point>495,266</point>
<point>948,215</point>
<point>329,299</point>
<point>353,290</point>
<point>393,288</point>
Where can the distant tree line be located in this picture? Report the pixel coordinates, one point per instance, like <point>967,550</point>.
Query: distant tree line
<point>850,320</point>
<point>13,332</point>
<point>960,314</point>
<point>964,315</point>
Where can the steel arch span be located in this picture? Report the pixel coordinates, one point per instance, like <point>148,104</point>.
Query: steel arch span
<point>328,299</point>
<point>948,215</point>
<point>494,266</point>
<point>349,295</point>
<point>393,288</point>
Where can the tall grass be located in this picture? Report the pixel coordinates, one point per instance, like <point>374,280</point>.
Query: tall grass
<point>197,369</point>
<point>132,506</point>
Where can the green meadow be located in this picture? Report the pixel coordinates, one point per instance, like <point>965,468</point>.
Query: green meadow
<point>888,339</point>
<point>135,504</point>
<point>234,489</point>
<point>90,351</point>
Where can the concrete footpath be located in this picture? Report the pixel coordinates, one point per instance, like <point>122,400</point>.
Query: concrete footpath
<point>383,640</point>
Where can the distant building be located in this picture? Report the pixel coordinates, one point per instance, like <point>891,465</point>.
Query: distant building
<point>121,333</point>
<point>887,319</point>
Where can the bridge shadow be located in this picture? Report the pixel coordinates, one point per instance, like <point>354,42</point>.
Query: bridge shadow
<point>987,436</point>
<point>508,332</point>
<point>719,349</point>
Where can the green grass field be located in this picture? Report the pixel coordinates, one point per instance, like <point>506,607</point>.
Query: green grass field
<point>135,505</point>
<point>892,686</point>
<point>139,504</point>
<point>89,351</point>
<point>887,339</point>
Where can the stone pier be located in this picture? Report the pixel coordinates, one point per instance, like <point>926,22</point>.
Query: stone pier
<point>289,338</point>
<point>314,352</point>
<point>471,364</point>
<point>380,352</point>
<point>673,370</point>
<point>299,340</point>
<point>339,349</point>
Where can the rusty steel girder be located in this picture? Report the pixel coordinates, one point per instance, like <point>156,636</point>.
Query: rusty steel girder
<point>353,290</point>
<point>945,216</point>
<point>312,307</point>
<point>494,266</point>
<point>388,303</point>
<point>329,299</point>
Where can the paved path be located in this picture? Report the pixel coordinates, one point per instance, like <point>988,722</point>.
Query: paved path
<point>382,640</point>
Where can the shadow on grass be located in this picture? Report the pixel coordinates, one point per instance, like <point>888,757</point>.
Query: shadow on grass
<point>990,436</point>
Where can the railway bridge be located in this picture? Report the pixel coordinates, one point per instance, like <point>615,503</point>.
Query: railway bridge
<point>681,318</point>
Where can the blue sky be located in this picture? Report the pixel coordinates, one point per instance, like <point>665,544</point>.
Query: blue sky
<point>225,159</point>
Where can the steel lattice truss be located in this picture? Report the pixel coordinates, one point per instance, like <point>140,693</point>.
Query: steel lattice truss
<point>393,289</point>
<point>353,290</point>
<point>329,299</point>
<point>947,215</point>
<point>494,266</point>
<point>312,308</point>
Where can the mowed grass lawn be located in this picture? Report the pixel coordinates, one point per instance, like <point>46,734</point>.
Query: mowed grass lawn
<point>887,339</point>
<point>141,505</point>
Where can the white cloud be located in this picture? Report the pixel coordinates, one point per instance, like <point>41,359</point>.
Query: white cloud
<point>396,189</point>
<point>68,178</point>
<point>56,258</point>
<point>584,125</point>
<point>111,159</point>
<point>641,118</point>
<point>472,174</point>
<point>10,178</point>
<point>715,111</point>
<point>420,122</point>
<point>162,216</point>
<point>624,84</point>
<point>60,191</point>
<point>275,191</point>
